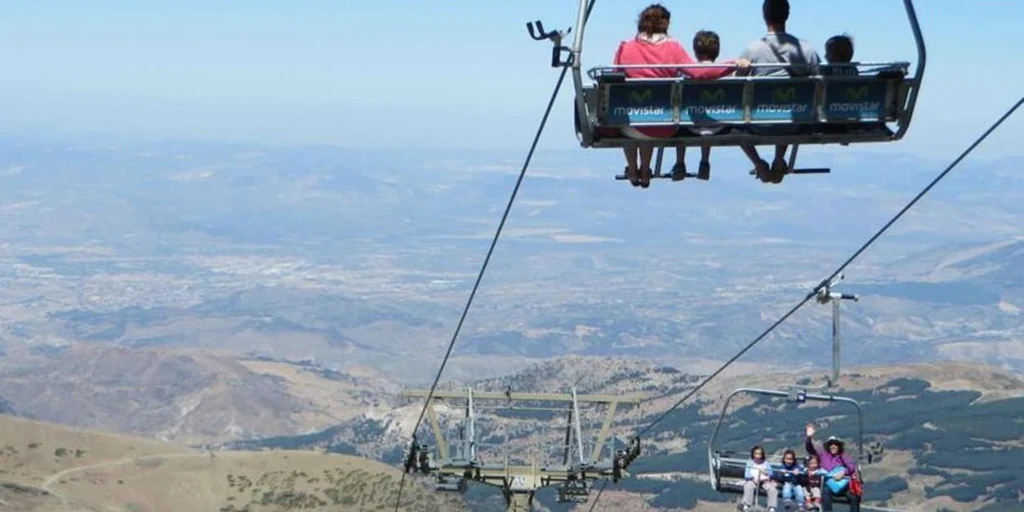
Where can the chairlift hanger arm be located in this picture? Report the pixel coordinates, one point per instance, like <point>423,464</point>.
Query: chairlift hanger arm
<point>922,57</point>
<point>537,33</point>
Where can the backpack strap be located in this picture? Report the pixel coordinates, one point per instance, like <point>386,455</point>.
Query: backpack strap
<point>778,55</point>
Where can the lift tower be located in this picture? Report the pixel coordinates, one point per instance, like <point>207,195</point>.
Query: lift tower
<point>454,462</point>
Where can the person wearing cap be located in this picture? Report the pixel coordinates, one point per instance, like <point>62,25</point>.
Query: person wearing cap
<point>832,456</point>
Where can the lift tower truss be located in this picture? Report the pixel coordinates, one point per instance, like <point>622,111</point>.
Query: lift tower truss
<point>454,462</point>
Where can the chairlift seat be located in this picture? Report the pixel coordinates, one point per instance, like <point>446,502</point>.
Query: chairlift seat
<point>757,110</point>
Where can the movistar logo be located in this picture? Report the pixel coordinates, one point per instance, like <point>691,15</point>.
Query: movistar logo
<point>712,95</point>
<point>856,103</point>
<point>641,111</point>
<point>856,93</point>
<point>784,102</point>
<point>783,95</point>
<point>640,96</point>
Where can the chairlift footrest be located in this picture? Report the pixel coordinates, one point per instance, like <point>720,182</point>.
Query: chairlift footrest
<point>622,177</point>
<point>816,170</point>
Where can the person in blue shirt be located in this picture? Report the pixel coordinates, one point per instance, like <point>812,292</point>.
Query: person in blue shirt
<point>793,478</point>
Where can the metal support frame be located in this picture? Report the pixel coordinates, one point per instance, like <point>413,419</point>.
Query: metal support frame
<point>585,123</point>
<point>827,296</point>
<point>792,396</point>
<point>574,477</point>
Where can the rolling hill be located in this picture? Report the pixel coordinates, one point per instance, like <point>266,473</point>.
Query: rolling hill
<point>45,467</point>
<point>183,396</point>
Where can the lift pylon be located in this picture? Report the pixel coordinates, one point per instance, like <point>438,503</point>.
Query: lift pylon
<point>456,461</point>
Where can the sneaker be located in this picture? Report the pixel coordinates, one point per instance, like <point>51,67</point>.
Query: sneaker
<point>679,171</point>
<point>778,171</point>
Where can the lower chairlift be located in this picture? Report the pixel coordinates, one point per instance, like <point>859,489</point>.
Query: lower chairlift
<point>726,467</point>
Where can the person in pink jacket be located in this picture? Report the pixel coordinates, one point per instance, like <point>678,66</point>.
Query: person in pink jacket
<point>653,45</point>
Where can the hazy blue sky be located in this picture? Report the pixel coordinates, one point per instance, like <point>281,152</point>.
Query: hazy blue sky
<point>449,73</point>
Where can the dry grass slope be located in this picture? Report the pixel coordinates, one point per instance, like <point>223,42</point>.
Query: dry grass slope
<point>45,467</point>
<point>182,396</point>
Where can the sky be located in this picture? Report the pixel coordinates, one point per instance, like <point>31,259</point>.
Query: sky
<point>437,74</point>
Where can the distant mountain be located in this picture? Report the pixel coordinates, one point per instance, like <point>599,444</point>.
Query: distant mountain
<point>186,397</point>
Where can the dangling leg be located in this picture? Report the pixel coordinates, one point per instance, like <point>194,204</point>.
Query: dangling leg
<point>854,502</point>
<point>826,498</point>
<point>646,152</point>
<point>779,165</point>
<point>704,170</point>
<point>679,169</point>
<point>632,171</point>
<point>748,494</point>
<point>787,492</point>
<point>773,495</point>
<point>761,167</point>
<point>815,498</point>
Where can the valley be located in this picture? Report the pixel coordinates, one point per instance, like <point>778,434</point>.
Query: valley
<point>254,312</point>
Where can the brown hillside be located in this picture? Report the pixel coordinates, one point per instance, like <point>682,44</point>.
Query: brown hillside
<point>187,397</point>
<point>45,467</point>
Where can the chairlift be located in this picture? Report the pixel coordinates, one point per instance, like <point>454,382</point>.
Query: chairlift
<point>875,107</point>
<point>726,468</point>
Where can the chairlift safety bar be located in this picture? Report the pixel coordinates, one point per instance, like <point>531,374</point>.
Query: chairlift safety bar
<point>890,65</point>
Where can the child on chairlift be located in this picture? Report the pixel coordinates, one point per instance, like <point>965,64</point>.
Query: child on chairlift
<point>813,481</point>
<point>839,54</point>
<point>706,47</point>
<point>792,476</point>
